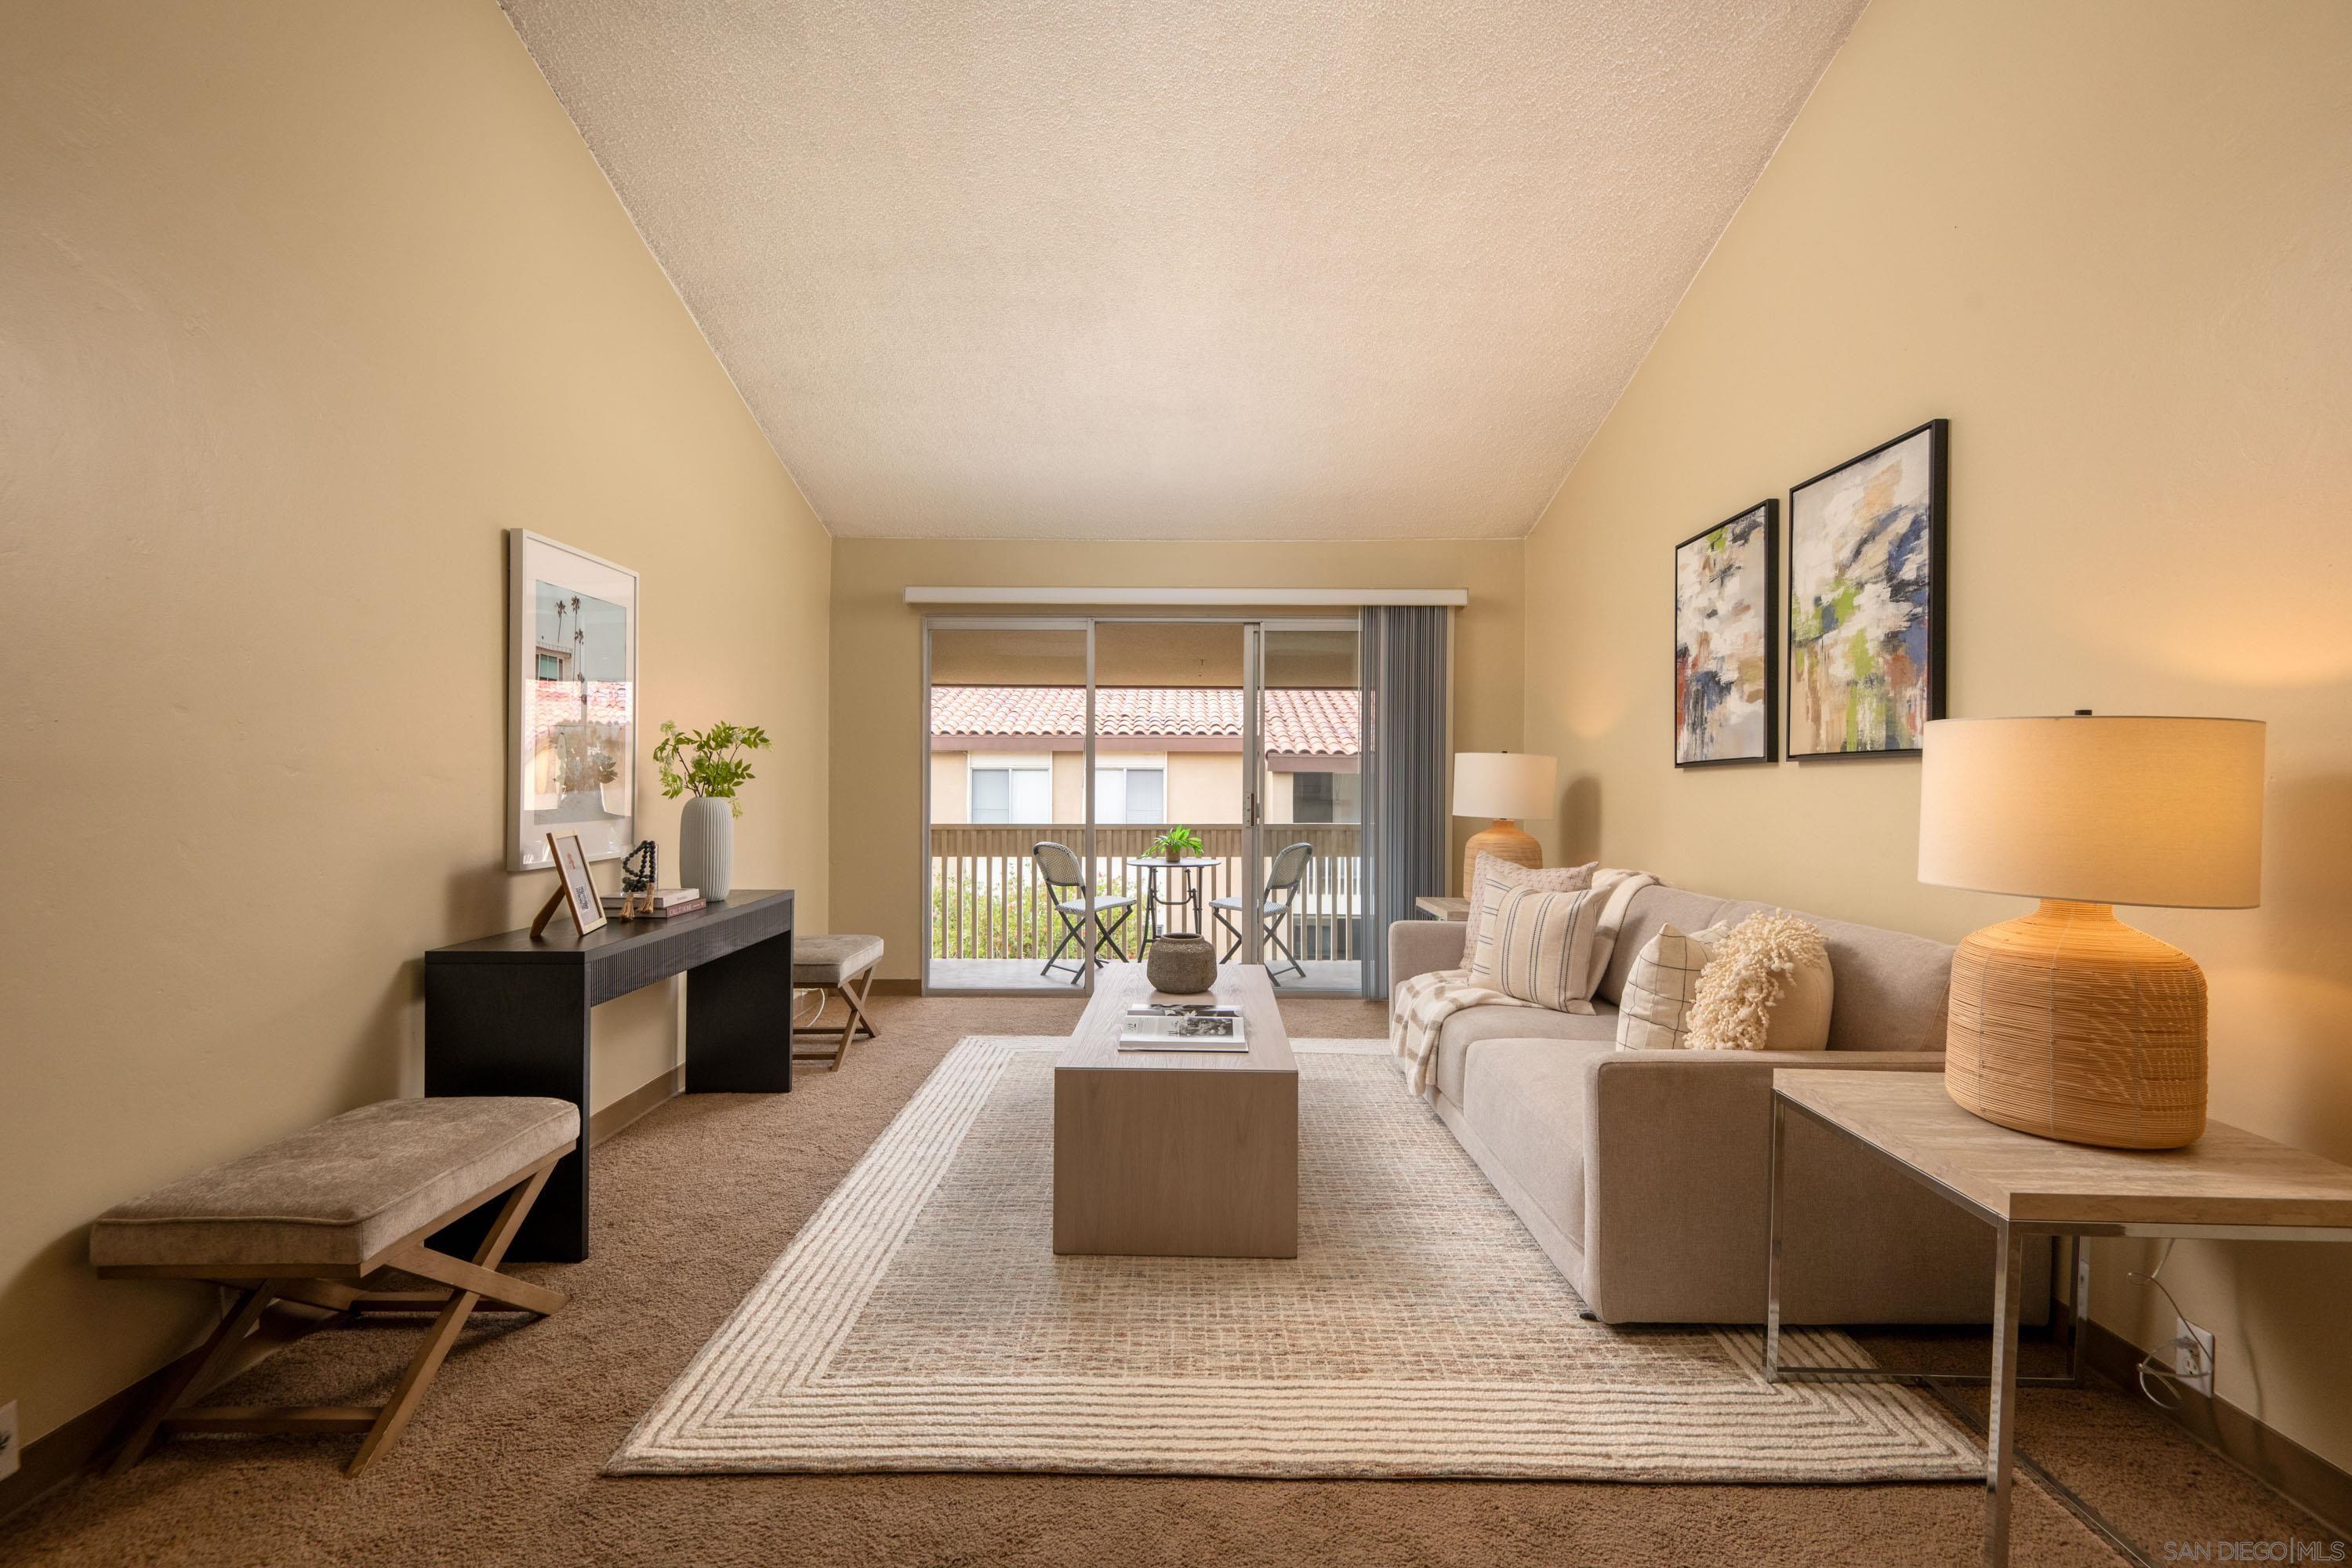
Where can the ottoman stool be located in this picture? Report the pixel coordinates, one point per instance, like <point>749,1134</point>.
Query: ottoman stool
<point>830,963</point>
<point>314,1218</point>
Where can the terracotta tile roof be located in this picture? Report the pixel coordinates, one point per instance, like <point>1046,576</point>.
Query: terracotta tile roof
<point>1316,723</point>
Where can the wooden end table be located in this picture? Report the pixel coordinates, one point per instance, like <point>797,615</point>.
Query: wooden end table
<point>2229,1185</point>
<point>1177,1154</point>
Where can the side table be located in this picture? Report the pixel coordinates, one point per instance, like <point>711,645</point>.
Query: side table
<point>2229,1185</point>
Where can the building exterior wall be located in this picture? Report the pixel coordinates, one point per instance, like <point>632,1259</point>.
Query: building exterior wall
<point>1204,787</point>
<point>951,787</point>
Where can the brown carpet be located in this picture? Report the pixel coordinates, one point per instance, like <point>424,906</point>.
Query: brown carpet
<point>501,1466</point>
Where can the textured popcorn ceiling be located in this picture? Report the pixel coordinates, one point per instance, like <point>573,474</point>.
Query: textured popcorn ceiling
<point>1187,269</point>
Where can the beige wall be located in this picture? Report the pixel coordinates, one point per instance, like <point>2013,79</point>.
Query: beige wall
<point>878,669</point>
<point>299,307</point>
<point>2111,242</point>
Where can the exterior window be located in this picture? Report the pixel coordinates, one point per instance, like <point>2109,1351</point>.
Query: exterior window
<point>1011,794</point>
<point>550,666</point>
<point>1325,797</point>
<point>1130,795</point>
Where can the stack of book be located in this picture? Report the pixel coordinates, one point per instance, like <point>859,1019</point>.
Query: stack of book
<point>665,901</point>
<point>1182,1027</point>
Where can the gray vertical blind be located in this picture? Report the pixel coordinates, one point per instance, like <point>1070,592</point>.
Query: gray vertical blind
<point>1406,841</point>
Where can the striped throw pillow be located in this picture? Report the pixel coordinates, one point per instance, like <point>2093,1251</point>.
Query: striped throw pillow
<point>1542,949</point>
<point>1497,879</point>
<point>1653,1012</point>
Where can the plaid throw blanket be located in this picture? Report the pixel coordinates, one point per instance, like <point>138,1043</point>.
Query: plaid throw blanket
<point>1418,1013</point>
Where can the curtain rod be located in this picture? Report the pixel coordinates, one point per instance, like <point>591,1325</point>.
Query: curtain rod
<point>1273,596</point>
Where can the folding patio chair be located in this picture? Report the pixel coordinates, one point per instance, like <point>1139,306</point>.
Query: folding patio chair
<point>1281,894</point>
<point>1057,868</point>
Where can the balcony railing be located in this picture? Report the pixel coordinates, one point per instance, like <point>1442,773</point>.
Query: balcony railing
<point>988,900</point>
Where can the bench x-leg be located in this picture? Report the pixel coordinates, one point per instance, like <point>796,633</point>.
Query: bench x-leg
<point>234,1346</point>
<point>854,1028</point>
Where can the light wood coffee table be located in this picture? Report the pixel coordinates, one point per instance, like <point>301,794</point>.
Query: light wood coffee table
<point>1177,1154</point>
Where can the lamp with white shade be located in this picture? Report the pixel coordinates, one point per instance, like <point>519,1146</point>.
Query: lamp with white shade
<point>1510,787</point>
<point>2067,1022</point>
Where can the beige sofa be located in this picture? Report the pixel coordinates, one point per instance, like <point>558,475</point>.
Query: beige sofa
<point>1643,1172</point>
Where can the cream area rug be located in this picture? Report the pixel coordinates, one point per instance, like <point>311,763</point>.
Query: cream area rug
<point>921,1322</point>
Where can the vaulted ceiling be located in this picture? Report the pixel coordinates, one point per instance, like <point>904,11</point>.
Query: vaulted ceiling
<point>1182,269</point>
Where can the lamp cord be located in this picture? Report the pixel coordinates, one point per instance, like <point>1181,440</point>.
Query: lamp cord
<point>2147,1367</point>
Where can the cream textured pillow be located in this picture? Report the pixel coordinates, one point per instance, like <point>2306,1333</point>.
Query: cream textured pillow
<point>1653,1012</point>
<point>1494,877</point>
<point>1542,949</point>
<point>1767,988</point>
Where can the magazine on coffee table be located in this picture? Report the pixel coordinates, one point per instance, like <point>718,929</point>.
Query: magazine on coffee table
<point>1182,1027</point>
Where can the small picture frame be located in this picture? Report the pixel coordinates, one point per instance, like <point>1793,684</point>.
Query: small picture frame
<point>576,891</point>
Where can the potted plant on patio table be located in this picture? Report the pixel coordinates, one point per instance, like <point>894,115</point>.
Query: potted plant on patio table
<point>1178,843</point>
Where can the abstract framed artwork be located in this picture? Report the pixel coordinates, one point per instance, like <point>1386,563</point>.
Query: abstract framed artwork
<point>571,701</point>
<point>1866,600</point>
<point>1727,642</point>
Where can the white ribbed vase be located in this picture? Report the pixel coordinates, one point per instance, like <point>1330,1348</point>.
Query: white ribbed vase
<point>706,848</point>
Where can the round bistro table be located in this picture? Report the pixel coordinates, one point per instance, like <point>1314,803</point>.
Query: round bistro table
<point>1151,865</point>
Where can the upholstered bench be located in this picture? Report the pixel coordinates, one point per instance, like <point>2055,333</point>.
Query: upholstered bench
<point>830,963</point>
<point>314,1219</point>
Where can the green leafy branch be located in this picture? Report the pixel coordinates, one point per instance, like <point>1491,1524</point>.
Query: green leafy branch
<point>709,763</point>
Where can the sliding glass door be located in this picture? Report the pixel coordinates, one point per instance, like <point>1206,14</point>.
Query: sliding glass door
<point>1309,794</point>
<point>1009,904</point>
<point>1065,759</point>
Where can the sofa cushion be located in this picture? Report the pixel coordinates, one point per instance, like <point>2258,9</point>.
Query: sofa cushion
<point>1526,1098</point>
<point>1471,1028</point>
<point>1539,948</point>
<point>1892,986</point>
<point>1767,986</point>
<point>1652,1015</point>
<point>1498,881</point>
<point>1491,876</point>
<point>1651,909</point>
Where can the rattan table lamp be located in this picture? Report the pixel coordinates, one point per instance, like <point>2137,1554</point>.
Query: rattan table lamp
<point>2067,1022</point>
<point>1510,787</point>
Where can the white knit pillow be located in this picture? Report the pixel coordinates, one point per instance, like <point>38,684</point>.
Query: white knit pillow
<point>1654,1010</point>
<point>1767,988</point>
<point>1496,877</point>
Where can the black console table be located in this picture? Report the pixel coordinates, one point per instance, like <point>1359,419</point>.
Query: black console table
<point>508,1014</point>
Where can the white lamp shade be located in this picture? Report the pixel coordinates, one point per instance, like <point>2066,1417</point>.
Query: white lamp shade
<point>1512,785</point>
<point>2095,810</point>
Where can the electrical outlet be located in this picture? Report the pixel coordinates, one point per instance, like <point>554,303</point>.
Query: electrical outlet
<point>2192,1356</point>
<point>7,1440</point>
